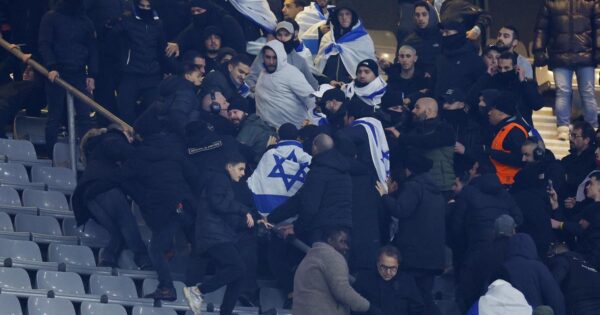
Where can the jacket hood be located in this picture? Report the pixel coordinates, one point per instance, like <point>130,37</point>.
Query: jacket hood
<point>277,46</point>
<point>172,84</point>
<point>331,159</point>
<point>502,298</point>
<point>522,245</point>
<point>428,183</point>
<point>531,176</point>
<point>487,183</point>
<point>337,29</point>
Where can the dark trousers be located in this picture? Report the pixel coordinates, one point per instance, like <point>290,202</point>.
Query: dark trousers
<point>131,89</point>
<point>424,280</point>
<point>111,210</point>
<point>162,243</point>
<point>57,107</point>
<point>231,271</point>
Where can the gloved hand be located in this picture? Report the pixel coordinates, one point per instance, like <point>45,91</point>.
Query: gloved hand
<point>540,59</point>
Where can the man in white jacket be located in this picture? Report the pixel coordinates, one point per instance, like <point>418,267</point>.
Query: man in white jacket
<point>282,93</point>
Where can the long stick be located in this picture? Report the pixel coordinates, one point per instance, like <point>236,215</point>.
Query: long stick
<point>62,83</point>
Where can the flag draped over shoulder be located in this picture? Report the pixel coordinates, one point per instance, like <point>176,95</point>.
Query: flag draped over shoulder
<point>310,16</point>
<point>370,94</point>
<point>353,47</point>
<point>380,151</point>
<point>279,174</point>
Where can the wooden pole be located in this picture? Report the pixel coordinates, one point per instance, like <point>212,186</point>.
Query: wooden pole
<point>62,83</point>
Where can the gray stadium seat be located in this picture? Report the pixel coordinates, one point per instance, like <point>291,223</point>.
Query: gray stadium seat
<point>45,306</point>
<point>113,286</point>
<point>43,229</point>
<point>215,297</point>
<point>149,286</point>
<point>9,304</point>
<point>15,175</point>
<point>7,231</point>
<point>149,310</point>
<point>62,158</point>
<point>14,278</point>
<point>10,202</point>
<point>20,151</point>
<point>55,178</point>
<point>271,298</point>
<point>50,203</point>
<point>5,223</point>
<point>22,250</point>
<point>78,259</point>
<point>91,234</point>
<point>60,282</point>
<point>128,267</point>
<point>30,128</point>
<point>92,308</point>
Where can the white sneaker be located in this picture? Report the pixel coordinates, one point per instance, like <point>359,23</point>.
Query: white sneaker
<point>563,133</point>
<point>194,299</point>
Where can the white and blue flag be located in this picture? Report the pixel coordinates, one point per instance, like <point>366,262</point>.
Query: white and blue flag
<point>279,175</point>
<point>371,94</point>
<point>380,152</point>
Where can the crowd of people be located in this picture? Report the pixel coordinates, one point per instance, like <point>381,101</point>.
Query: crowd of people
<point>261,125</point>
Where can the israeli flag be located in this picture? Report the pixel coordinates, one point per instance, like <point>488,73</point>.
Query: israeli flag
<point>310,16</point>
<point>380,152</point>
<point>310,37</point>
<point>258,11</point>
<point>279,175</point>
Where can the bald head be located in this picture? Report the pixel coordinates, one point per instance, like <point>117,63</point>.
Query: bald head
<point>425,108</point>
<point>321,144</point>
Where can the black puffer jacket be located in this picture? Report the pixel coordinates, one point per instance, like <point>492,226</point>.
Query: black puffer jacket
<point>324,200</point>
<point>567,34</point>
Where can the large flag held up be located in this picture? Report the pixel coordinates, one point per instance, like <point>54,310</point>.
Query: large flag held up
<point>380,152</point>
<point>279,175</point>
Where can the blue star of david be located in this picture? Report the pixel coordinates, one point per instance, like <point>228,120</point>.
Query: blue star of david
<point>279,171</point>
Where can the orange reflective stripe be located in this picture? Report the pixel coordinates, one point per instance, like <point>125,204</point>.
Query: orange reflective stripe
<point>505,173</point>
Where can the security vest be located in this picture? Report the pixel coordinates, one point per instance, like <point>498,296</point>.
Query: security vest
<point>505,173</point>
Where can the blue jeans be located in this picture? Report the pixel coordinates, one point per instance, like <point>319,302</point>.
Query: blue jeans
<point>564,92</point>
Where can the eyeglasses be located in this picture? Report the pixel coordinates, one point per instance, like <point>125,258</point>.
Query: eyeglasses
<point>385,268</point>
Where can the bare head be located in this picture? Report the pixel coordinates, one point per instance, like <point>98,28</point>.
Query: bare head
<point>425,108</point>
<point>321,144</point>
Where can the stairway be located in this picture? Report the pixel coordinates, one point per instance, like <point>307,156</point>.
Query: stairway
<point>545,122</point>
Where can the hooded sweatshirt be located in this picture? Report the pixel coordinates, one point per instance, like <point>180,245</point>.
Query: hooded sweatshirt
<point>284,95</point>
<point>501,298</point>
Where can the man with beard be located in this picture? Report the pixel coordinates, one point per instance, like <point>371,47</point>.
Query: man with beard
<point>204,14</point>
<point>291,8</point>
<point>253,131</point>
<point>426,38</point>
<point>511,78</point>
<point>282,92</point>
<point>508,39</point>
<point>231,80</point>
<point>331,105</point>
<point>581,160</point>
<point>67,44</point>
<point>368,88</point>
<point>460,65</point>
<point>288,36</point>
<point>211,37</point>
<point>404,78</point>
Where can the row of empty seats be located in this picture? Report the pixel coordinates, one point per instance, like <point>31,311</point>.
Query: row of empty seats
<point>42,177</point>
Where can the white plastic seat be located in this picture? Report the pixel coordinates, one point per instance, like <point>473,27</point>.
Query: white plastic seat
<point>15,175</point>
<point>9,304</point>
<point>10,202</point>
<point>79,259</point>
<point>60,282</point>
<point>90,234</point>
<point>43,229</point>
<point>93,308</point>
<point>45,306</point>
<point>55,178</point>
<point>149,310</point>
<point>20,151</point>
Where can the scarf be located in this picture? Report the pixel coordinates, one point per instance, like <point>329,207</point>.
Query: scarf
<point>380,152</point>
<point>370,94</point>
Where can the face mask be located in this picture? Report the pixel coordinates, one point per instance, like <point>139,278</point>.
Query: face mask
<point>453,42</point>
<point>456,116</point>
<point>290,45</point>
<point>146,14</point>
<point>200,20</point>
<point>506,77</point>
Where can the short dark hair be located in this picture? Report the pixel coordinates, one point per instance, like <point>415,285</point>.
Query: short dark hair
<point>596,175</point>
<point>513,29</point>
<point>241,58</point>
<point>234,158</point>
<point>332,231</point>
<point>390,251</point>
<point>509,56</point>
<point>423,4</point>
<point>191,55</point>
<point>189,68</point>
<point>300,3</point>
<point>587,131</point>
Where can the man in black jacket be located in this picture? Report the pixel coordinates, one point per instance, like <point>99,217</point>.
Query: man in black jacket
<point>142,58</point>
<point>419,208</point>
<point>230,79</point>
<point>206,13</point>
<point>474,19</point>
<point>389,289</point>
<point>26,94</point>
<point>405,78</point>
<point>67,43</point>
<point>426,38</point>
<point>581,159</point>
<point>325,199</point>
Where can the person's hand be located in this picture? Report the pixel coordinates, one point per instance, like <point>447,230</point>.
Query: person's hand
<point>406,101</point>
<point>570,203</point>
<point>584,224</point>
<point>392,185</point>
<point>249,220</point>
<point>325,28</point>
<point>90,85</point>
<point>521,73</point>
<point>459,148</point>
<point>555,224</point>
<point>286,231</point>
<point>129,134</point>
<point>393,131</point>
<point>172,50</point>
<point>540,59</point>
<point>52,75</point>
<point>381,189</point>
<point>474,33</point>
<point>383,63</point>
<point>553,198</point>
<point>264,221</point>
<point>337,84</point>
<point>272,141</point>
<point>25,58</point>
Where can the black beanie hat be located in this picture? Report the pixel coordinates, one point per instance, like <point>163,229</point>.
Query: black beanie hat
<point>369,63</point>
<point>453,25</point>
<point>392,98</point>
<point>504,102</point>
<point>333,94</point>
<point>416,163</point>
<point>238,103</point>
<point>205,4</point>
<point>211,30</point>
<point>287,131</point>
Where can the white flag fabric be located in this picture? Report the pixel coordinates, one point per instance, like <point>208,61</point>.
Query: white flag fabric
<point>371,94</point>
<point>279,175</point>
<point>353,47</point>
<point>310,16</point>
<point>380,151</point>
<point>310,38</point>
<point>257,11</point>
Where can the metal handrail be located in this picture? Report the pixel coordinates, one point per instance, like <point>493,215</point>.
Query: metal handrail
<point>71,92</point>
